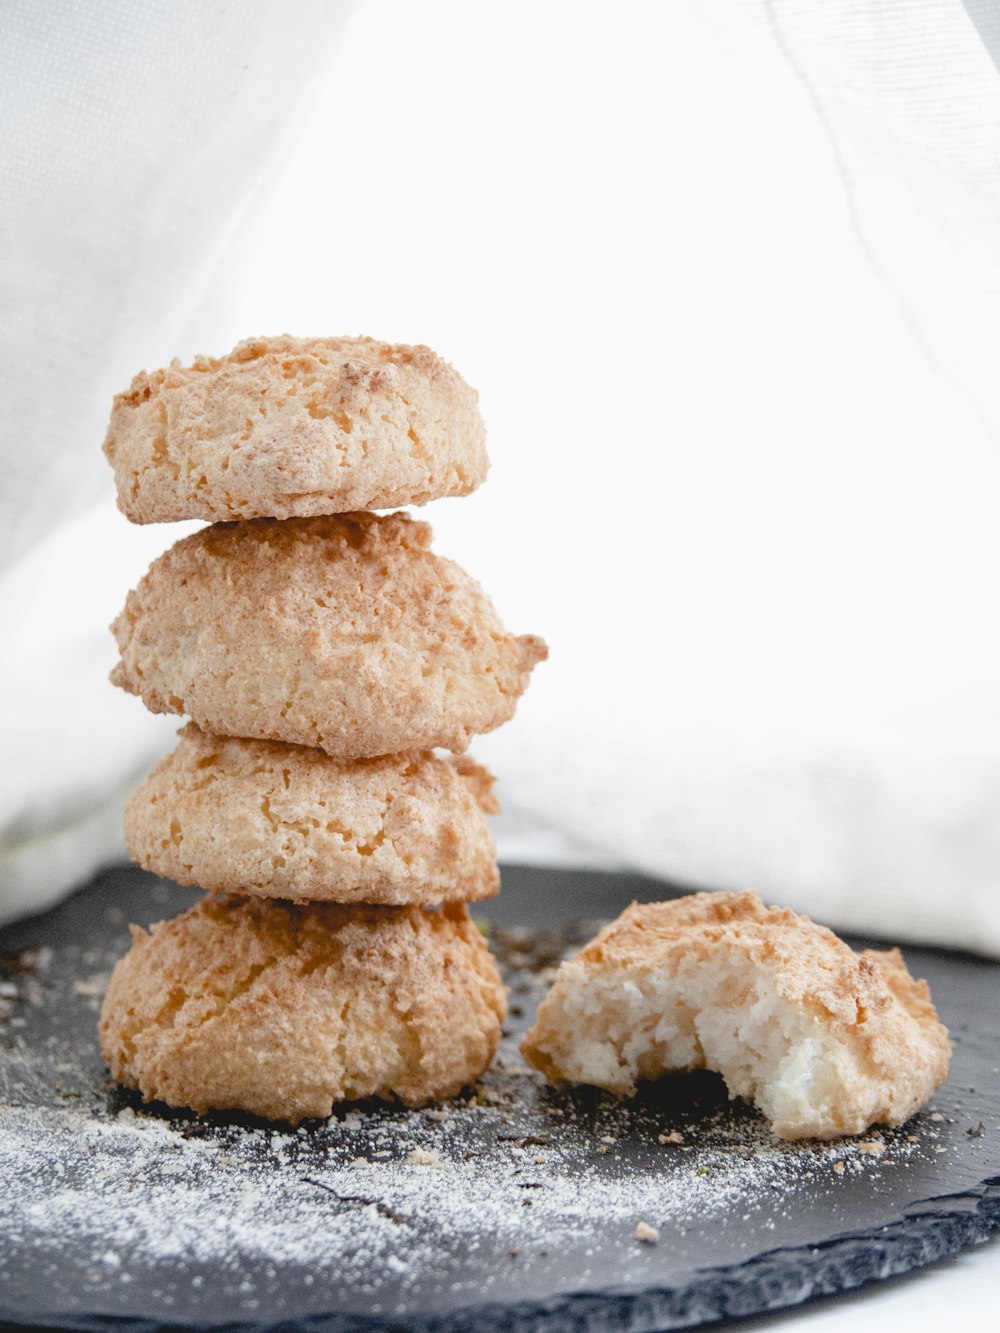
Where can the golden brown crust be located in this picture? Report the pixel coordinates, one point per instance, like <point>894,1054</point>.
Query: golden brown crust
<point>813,966</point>
<point>866,1005</point>
<point>291,427</point>
<point>284,821</point>
<point>345,633</point>
<point>284,1010</point>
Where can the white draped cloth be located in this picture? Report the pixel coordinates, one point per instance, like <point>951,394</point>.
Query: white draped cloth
<point>726,276</point>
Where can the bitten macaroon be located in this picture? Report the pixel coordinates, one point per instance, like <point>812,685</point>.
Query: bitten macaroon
<point>822,1040</point>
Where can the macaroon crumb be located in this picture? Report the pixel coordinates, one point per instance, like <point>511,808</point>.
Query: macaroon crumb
<point>674,1136</point>
<point>423,1157</point>
<point>872,1147</point>
<point>647,1233</point>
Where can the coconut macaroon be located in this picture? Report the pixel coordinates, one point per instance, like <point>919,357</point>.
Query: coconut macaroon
<point>284,821</point>
<point>823,1041</point>
<point>283,1010</point>
<point>290,427</point>
<point>345,633</point>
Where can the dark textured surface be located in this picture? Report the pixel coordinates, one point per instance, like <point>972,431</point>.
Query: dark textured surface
<point>773,1227</point>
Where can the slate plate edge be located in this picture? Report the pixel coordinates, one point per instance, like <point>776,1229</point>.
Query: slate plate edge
<point>768,1282</point>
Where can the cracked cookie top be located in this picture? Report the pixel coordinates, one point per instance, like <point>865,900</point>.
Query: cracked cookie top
<point>283,1010</point>
<point>344,632</point>
<point>292,427</point>
<point>287,821</point>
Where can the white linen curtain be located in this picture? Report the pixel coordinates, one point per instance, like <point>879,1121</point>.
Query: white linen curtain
<point>726,275</point>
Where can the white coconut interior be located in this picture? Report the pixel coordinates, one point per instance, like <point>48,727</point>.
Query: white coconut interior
<point>722,1013</point>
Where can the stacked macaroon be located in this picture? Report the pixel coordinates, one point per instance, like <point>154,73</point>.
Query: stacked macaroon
<point>323,653</point>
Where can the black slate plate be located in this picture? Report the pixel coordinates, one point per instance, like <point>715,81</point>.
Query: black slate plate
<point>520,1208</point>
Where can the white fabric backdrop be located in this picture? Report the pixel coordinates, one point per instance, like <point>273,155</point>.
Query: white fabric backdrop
<point>135,145</point>
<point>726,277</point>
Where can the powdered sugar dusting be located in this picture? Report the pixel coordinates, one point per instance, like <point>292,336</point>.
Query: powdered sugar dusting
<point>133,1192</point>
<point>513,1193</point>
